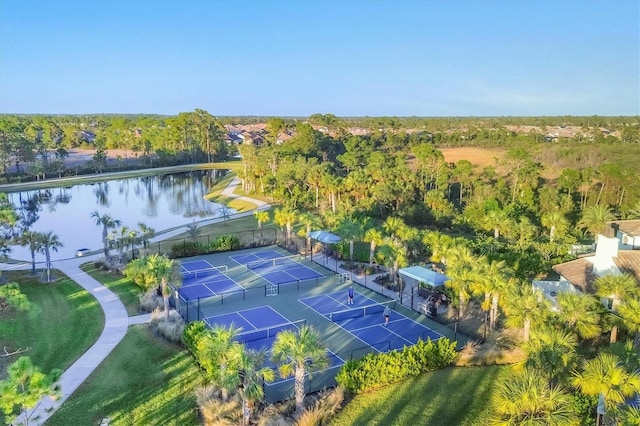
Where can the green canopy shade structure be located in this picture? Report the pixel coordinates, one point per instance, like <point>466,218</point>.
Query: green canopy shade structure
<point>425,275</point>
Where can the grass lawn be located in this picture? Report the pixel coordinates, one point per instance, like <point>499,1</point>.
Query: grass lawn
<point>69,321</point>
<point>144,381</point>
<point>123,287</point>
<point>453,396</point>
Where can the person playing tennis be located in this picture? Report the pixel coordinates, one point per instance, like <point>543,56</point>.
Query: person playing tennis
<point>350,296</point>
<point>387,314</point>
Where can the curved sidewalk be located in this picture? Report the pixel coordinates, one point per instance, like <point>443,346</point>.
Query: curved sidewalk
<point>116,321</point>
<point>115,325</point>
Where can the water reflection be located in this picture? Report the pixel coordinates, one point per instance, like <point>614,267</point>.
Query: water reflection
<point>159,202</point>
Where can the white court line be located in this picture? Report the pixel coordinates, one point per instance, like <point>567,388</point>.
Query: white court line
<point>323,315</point>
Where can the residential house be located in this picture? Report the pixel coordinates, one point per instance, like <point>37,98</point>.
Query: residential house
<point>608,259</point>
<point>627,231</point>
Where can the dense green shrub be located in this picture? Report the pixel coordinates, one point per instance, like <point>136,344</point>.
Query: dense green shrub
<point>376,370</point>
<point>225,243</point>
<point>193,248</point>
<point>187,249</point>
<point>192,333</point>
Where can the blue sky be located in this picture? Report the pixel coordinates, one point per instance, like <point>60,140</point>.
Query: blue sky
<point>296,58</point>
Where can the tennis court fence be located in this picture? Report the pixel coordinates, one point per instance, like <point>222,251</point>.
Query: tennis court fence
<point>283,389</point>
<point>197,309</point>
<point>388,345</point>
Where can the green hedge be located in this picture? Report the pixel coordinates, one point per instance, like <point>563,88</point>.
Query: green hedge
<point>377,370</point>
<point>193,248</point>
<point>192,333</point>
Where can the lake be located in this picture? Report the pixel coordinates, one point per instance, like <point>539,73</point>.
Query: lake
<point>160,202</point>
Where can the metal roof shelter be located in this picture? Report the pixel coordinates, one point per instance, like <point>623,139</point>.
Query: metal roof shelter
<point>425,275</point>
<point>325,237</point>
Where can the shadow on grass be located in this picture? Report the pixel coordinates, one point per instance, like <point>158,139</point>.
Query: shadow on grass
<point>453,396</point>
<point>143,381</point>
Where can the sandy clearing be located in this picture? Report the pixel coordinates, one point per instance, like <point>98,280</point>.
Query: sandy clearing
<point>480,157</point>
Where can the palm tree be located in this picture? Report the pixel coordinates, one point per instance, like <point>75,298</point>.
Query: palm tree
<point>107,223</point>
<point>578,313</point>
<point>616,288</point>
<point>606,376</point>
<point>498,221</point>
<point>495,282</point>
<point>594,219</point>
<point>146,233</point>
<point>163,269</point>
<point>299,353</point>
<point>394,255</point>
<point>262,216</point>
<point>525,307</point>
<point>122,240</point>
<point>215,351</point>
<point>556,222</point>
<point>552,353</point>
<point>309,220</point>
<point>527,399</point>
<point>463,274</point>
<point>629,310</point>
<point>350,229</point>
<point>440,245</point>
<point>374,237</point>
<point>247,373</point>
<point>48,242</point>
<point>285,218</point>
<point>32,240</point>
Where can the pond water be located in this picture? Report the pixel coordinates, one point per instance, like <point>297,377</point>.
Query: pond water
<point>160,202</point>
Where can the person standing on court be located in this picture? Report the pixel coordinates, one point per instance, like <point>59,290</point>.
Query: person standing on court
<point>387,314</point>
<point>350,296</point>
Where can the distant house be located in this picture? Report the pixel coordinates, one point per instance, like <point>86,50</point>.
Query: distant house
<point>256,137</point>
<point>232,130</point>
<point>283,137</point>
<point>86,136</point>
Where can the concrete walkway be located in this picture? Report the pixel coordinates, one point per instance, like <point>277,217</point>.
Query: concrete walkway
<point>229,191</point>
<point>115,326</point>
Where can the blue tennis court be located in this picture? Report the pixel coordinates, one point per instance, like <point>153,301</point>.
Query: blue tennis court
<point>275,268</point>
<point>259,327</point>
<point>364,319</point>
<point>200,279</point>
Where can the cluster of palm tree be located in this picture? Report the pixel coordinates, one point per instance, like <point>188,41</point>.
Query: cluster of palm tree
<point>153,272</point>
<point>241,371</point>
<point>41,242</point>
<point>121,236</point>
<point>558,364</point>
<point>554,368</point>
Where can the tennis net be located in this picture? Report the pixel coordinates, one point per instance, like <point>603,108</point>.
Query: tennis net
<point>268,332</point>
<point>361,311</point>
<point>206,272</point>
<point>278,261</point>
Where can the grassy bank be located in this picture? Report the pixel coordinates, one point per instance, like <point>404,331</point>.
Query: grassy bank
<point>101,177</point>
<point>123,287</point>
<point>69,320</point>
<point>453,396</point>
<point>144,381</point>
